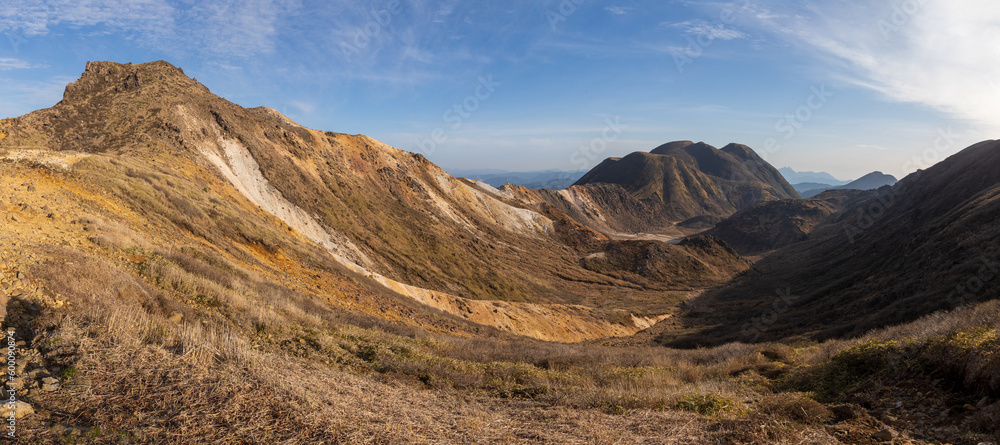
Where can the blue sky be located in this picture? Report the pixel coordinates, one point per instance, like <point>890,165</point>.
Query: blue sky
<point>845,87</point>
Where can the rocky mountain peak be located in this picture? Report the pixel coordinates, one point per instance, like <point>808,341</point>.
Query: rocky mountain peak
<point>102,78</point>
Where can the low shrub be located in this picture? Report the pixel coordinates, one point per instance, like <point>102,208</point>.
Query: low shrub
<point>706,405</point>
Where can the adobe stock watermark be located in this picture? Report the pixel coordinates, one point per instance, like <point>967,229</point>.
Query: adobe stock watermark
<point>757,326</point>
<point>457,114</point>
<point>902,13</point>
<point>585,156</point>
<point>788,125</point>
<point>969,288</point>
<point>876,207</point>
<point>11,402</point>
<point>561,13</point>
<point>697,45</point>
<point>944,141</point>
<point>377,23</point>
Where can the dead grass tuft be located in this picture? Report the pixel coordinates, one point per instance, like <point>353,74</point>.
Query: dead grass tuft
<point>796,407</point>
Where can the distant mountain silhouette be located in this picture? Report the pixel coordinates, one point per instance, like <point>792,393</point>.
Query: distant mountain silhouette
<point>795,177</point>
<point>803,187</point>
<point>870,181</point>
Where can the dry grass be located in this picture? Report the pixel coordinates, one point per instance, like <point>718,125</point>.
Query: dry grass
<point>253,361</point>
<point>264,366</point>
<point>263,354</point>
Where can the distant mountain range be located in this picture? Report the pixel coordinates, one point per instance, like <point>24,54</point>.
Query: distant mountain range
<point>870,181</point>
<point>795,177</point>
<point>539,179</point>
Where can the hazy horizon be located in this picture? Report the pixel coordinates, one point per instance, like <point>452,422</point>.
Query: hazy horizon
<point>845,88</point>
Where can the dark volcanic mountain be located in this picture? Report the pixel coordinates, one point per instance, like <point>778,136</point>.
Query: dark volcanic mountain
<point>774,224</point>
<point>687,180</point>
<point>928,243</point>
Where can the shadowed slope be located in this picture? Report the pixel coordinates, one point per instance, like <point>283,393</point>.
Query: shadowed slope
<point>774,224</point>
<point>929,243</point>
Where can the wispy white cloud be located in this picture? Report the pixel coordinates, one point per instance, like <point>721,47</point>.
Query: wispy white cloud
<point>444,10</point>
<point>618,10</point>
<point>712,31</point>
<point>33,17</point>
<point>14,64</point>
<point>304,107</point>
<point>940,54</point>
<point>237,28</point>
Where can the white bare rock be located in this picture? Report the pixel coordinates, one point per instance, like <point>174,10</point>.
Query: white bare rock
<point>20,410</point>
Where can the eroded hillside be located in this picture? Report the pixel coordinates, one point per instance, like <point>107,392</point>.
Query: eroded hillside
<point>234,179</point>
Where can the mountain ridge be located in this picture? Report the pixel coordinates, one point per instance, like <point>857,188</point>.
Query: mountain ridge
<point>806,176</point>
<point>870,181</point>
<point>688,180</point>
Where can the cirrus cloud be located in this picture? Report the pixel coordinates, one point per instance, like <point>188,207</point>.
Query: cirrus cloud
<point>942,54</point>
<point>707,30</point>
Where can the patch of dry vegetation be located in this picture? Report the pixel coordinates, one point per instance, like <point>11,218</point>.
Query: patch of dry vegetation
<point>170,343</point>
<point>938,376</point>
<point>248,363</point>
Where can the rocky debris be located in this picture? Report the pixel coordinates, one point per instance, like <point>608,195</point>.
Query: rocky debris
<point>883,436</point>
<point>21,409</point>
<point>927,411</point>
<point>50,384</point>
<point>176,317</point>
